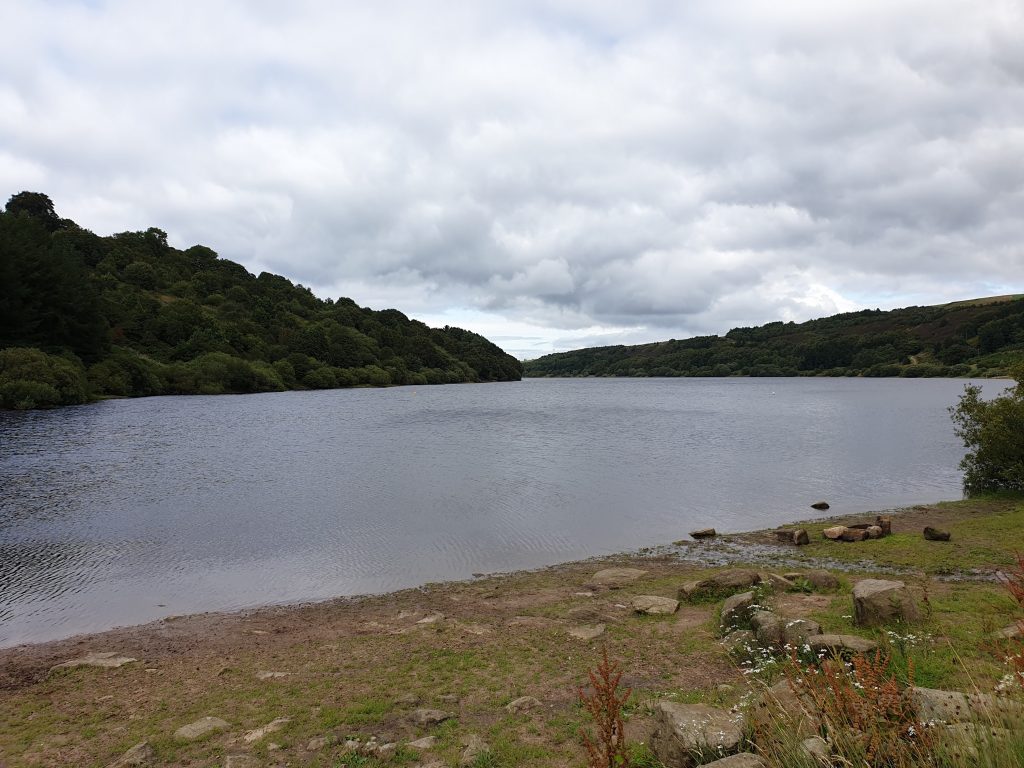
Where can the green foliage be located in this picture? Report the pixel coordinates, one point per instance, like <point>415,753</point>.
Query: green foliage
<point>993,432</point>
<point>148,319</point>
<point>30,378</point>
<point>964,339</point>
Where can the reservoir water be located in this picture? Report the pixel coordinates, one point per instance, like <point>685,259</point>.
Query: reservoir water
<point>126,511</point>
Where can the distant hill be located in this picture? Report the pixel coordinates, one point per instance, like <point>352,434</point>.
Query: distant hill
<point>83,316</point>
<point>980,337</point>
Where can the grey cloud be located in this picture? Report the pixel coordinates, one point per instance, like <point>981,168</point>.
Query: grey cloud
<point>638,170</point>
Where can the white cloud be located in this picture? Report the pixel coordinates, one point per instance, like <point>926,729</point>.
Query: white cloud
<point>574,171</point>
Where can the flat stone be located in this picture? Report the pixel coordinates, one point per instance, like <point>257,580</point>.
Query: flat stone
<point>777,582</point>
<point>241,761</point>
<point>742,760</point>
<point>140,754</point>
<point>427,742</point>
<point>704,533</point>
<point>200,728</point>
<point>652,605</point>
<point>613,578</point>
<point>522,704</point>
<point>430,716</point>
<point>594,613</point>
<point>587,631</point>
<point>267,675</point>
<point>832,646</point>
<point>104,660</point>
<point>1008,633</point>
<point>835,532</point>
<point>272,727</point>
<point>934,534</point>
<point>878,601</point>
<point>432,618</point>
<point>736,610</point>
<point>317,743</point>
<point>385,752</point>
<point>684,730</point>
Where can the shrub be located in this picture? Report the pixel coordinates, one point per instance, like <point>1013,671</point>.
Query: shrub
<point>991,430</point>
<point>30,378</point>
<point>605,703</point>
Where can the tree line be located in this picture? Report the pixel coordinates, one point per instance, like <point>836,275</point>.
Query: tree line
<point>84,316</point>
<point>973,338</point>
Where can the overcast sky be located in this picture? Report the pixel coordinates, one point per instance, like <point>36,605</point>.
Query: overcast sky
<point>550,174</point>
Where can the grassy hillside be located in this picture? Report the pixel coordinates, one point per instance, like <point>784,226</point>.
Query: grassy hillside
<point>981,337</point>
<point>83,316</point>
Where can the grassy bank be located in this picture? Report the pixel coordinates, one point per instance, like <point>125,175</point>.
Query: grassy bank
<point>360,668</point>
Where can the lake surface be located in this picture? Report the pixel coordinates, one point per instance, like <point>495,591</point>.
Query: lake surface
<point>130,510</point>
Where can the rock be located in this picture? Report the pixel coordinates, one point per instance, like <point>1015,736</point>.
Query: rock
<point>797,631</point>
<point>1008,633</point>
<point>408,700</point>
<point>796,536</point>
<point>854,534</point>
<point>474,748</point>
<point>200,728</point>
<point>241,761</point>
<point>594,613</point>
<point>385,752</point>
<point>265,675</point>
<point>769,628</point>
<point>448,698</point>
<point>817,750</point>
<point>779,706</point>
<point>821,579</point>
<point>934,534</point>
<point>874,531</point>
<point>704,533</point>
<point>736,610</point>
<point>937,706</point>
<point>820,505</point>
<point>104,660</point>
<point>427,742</point>
<point>741,760</point>
<point>316,744</point>
<point>652,605</point>
<point>721,584</point>
<point>776,582</point>
<point>843,646</point>
<point>613,578</point>
<point>432,618</point>
<point>835,532</point>
<point>272,727</point>
<point>587,631</point>
<point>877,601</point>
<point>430,716</point>
<point>140,754</point>
<point>684,731</point>
<point>740,644</point>
<point>522,704</point>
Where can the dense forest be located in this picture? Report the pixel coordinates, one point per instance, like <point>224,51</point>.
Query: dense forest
<point>984,337</point>
<point>84,316</point>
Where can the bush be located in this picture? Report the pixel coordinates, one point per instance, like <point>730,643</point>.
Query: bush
<point>30,378</point>
<point>991,430</point>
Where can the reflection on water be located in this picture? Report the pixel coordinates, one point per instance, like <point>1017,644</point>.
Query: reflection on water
<point>125,511</point>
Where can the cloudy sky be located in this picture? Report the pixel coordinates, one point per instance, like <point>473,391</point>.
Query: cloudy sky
<point>550,174</point>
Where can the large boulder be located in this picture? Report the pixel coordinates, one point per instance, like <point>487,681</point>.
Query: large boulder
<point>796,632</point>
<point>936,706</point>
<point>770,629</point>
<point>686,734</point>
<point>736,610</point>
<point>819,578</point>
<point>877,602</point>
<point>935,534</point>
<point>722,584</point>
<point>835,532</point>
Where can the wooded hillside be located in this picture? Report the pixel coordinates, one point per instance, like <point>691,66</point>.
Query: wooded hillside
<point>84,316</point>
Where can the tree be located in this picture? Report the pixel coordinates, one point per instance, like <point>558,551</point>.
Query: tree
<point>37,206</point>
<point>992,430</point>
